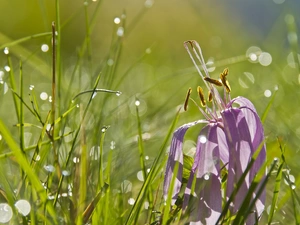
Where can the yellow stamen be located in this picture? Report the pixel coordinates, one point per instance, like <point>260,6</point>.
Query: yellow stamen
<point>210,97</point>
<point>201,95</point>
<point>225,72</point>
<point>187,99</point>
<point>213,81</point>
<point>225,83</point>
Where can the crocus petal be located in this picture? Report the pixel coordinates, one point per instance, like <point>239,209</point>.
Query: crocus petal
<point>211,141</point>
<point>240,149</point>
<point>176,155</point>
<point>257,137</point>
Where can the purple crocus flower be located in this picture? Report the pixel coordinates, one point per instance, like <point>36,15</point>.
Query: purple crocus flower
<point>232,133</point>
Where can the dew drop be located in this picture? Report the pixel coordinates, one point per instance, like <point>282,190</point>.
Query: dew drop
<point>149,3</point>
<point>120,31</point>
<point>146,205</point>
<point>6,213</point>
<point>131,201</point>
<point>65,173</point>
<point>117,20</point>
<point>112,145</point>
<point>38,158</point>
<point>202,139</point>
<point>267,93</point>
<point>265,59</point>
<point>0,137</point>
<point>64,195</point>
<point>148,170</point>
<point>44,48</point>
<point>293,187</point>
<point>50,98</point>
<point>48,127</point>
<point>253,57</point>
<point>5,88</point>
<point>6,51</point>
<point>140,176</point>
<point>49,168</point>
<point>23,207</point>
<point>126,186</point>
<point>31,87</point>
<point>7,68</point>
<point>77,105</point>
<point>118,93</point>
<point>148,51</point>
<point>146,157</point>
<point>44,96</point>
<point>206,176</point>
<point>110,62</point>
<point>137,102</point>
<point>94,95</point>
<point>75,160</point>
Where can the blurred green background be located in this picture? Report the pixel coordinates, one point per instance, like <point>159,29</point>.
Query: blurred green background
<point>151,64</point>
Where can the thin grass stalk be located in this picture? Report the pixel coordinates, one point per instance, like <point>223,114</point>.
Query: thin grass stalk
<point>88,36</point>
<point>83,174</point>
<point>275,193</point>
<point>58,54</point>
<point>107,205</point>
<point>152,174</point>
<point>142,158</point>
<point>101,175</point>
<point>21,119</point>
<point>167,208</point>
<point>22,161</point>
<point>74,140</point>
<point>13,85</point>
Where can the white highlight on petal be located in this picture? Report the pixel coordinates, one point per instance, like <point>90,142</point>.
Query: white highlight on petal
<point>202,139</point>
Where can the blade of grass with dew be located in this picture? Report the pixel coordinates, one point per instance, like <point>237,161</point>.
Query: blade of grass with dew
<point>142,156</point>
<point>275,193</point>
<point>83,173</point>
<point>152,174</point>
<point>21,113</point>
<point>167,208</point>
<point>107,193</point>
<point>26,55</point>
<point>34,180</point>
<point>13,84</point>
<point>265,113</point>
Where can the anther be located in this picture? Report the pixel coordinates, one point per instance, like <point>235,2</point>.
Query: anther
<point>213,81</point>
<point>187,99</point>
<point>201,95</point>
<point>224,80</point>
<point>210,97</point>
<point>225,72</point>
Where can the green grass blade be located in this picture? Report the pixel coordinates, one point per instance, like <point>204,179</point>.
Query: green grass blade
<point>265,113</point>
<point>22,161</point>
<point>152,174</point>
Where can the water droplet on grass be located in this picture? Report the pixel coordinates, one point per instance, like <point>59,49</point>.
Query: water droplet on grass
<point>0,137</point>
<point>38,158</point>
<point>117,20</point>
<point>65,173</point>
<point>31,87</point>
<point>118,93</point>
<point>112,145</point>
<point>149,3</point>
<point>120,31</point>
<point>5,88</point>
<point>137,102</point>
<point>23,207</point>
<point>131,201</point>
<point>6,50</point>
<point>6,213</point>
<point>45,48</point>
<point>267,93</point>
<point>7,68</point>
<point>146,157</point>
<point>148,50</point>
<point>94,95</point>
<point>110,62</point>
<point>75,160</point>
<point>49,168</point>
<point>140,176</point>
<point>44,96</point>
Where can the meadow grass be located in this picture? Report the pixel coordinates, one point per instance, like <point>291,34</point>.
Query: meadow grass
<point>83,149</point>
